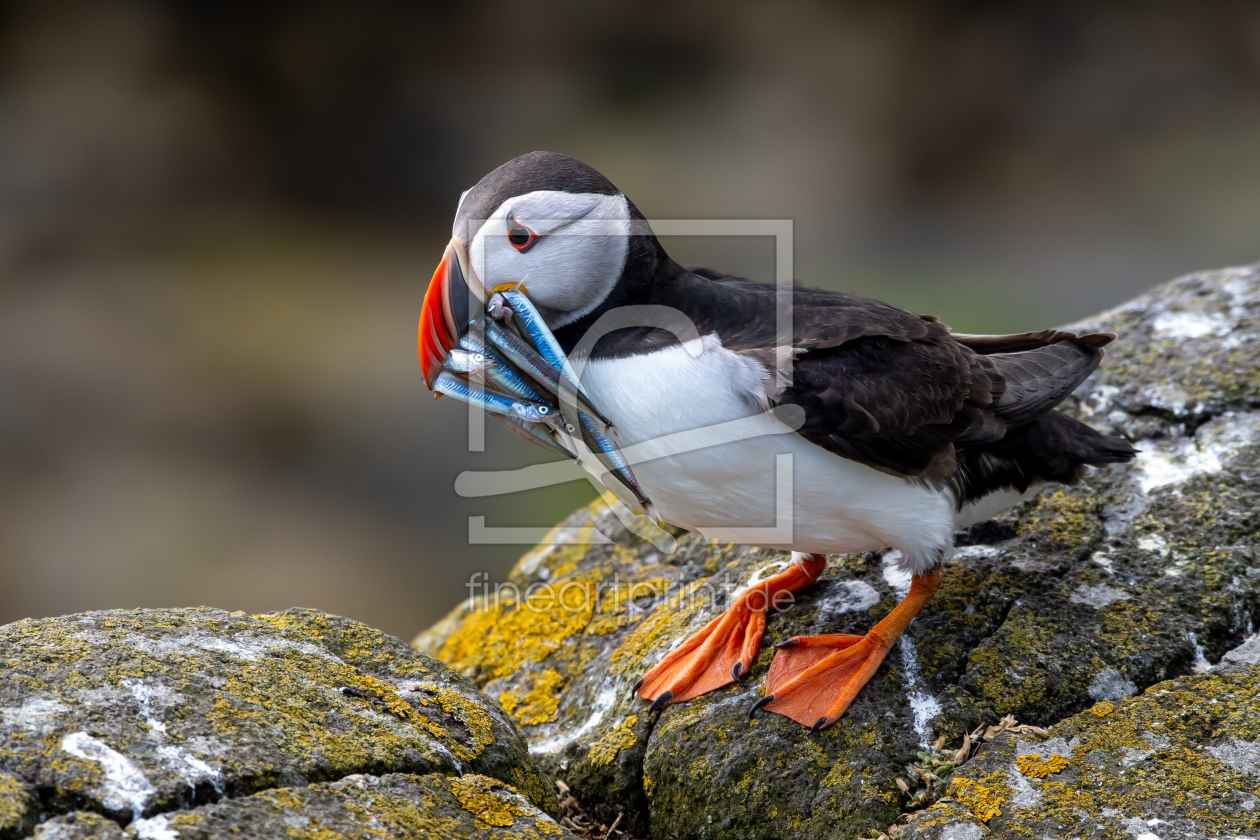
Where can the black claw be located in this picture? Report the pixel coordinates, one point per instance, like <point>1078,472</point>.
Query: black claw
<point>769,698</point>
<point>818,725</point>
<point>736,669</point>
<point>792,642</point>
<point>660,702</point>
<point>637,686</point>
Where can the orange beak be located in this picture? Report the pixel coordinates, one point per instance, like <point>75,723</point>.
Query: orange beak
<point>445,314</point>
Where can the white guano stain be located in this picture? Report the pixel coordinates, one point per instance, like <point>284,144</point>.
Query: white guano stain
<point>847,596</point>
<point>125,786</point>
<point>1243,756</point>
<point>1050,746</point>
<point>1098,596</point>
<point>976,552</point>
<point>966,831</point>
<point>1025,796</point>
<point>1103,561</point>
<point>1201,663</point>
<point>1190,325</point>
<point>179,760</point>
<point>154,828</point>
<point>1173,462</point>
<point>1137,827</point>
<point>603,704</point>
<point>924,706</point>
<point>36,715</point>
<point>243,646</point>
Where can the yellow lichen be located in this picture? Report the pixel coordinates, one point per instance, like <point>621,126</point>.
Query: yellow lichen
<point>605,750</point>
<point>548,828</point>
<point>539,704</point>
<point>465,710</point>
<point>386,693</point>
<point>482,798</point>
<point>839,776</point>
<point>665,625</point>
<point>501,635</point>
<point>1062,518</point>
<point>1032,766</point>
<point>1024,637</point>
<point>1164,729</point>
<point>1102,709</point>
<point>13,802</point>
<point>984,798</point>
<point>617,599</point>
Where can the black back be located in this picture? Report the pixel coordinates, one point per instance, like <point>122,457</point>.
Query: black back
<point>878,384</point>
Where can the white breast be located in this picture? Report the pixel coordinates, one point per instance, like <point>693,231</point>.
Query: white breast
<point>836,505</point>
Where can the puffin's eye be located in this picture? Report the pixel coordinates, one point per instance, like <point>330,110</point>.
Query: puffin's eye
<point>521,237</point>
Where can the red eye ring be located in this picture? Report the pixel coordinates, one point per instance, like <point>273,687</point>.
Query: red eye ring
<point>521,237</point>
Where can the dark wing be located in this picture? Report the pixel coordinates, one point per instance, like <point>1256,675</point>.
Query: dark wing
<point>889,388</point>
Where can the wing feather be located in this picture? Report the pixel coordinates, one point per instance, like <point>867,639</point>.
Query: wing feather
<point>890,388</point>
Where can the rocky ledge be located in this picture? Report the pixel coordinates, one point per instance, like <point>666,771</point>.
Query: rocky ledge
<point>200,723</point>
<point>1099,613</point>
<point>1113,620</point>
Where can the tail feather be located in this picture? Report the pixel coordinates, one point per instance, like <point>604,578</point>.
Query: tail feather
<point>987,345</point>
<point>1053,447</point>
<point>1038,380</point>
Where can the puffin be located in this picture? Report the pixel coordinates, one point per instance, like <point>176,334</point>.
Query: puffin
<point>892,431</point>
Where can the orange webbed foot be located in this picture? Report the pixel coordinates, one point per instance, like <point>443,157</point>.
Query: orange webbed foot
<point>814,679</point>
<point>724,650</point>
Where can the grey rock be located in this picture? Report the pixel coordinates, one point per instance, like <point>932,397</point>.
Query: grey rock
<point>139,714</point>
<point>365,807</point>
<point>1180,762</point>
<point>79,825</point>
<point>1138,574</point>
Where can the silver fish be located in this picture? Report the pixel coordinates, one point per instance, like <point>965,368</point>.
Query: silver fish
<point>531,324</point>
<point>505,379</point>
<point>610,456</point>
<point>467,361</point>
<point>527,360</point>
<point>461,389</point>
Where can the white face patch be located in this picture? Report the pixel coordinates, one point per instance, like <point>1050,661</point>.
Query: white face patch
<point>581,252</point>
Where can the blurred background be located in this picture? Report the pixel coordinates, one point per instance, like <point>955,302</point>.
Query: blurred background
<point>218,219</point>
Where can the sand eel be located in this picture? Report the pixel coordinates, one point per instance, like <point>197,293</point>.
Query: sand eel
<point>909,433</point>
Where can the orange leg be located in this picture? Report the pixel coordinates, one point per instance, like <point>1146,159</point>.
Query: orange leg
<point>813,679</point>
<point>725,648</point>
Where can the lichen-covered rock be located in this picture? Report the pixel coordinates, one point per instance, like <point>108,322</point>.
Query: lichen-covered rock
<point>1083,595</point>
<point>129,714</point>
<point>1180,762</point>
<point>79,825</point>
<point>364,807</point>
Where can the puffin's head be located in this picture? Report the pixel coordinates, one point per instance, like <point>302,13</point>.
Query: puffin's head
<point>544,223</point>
